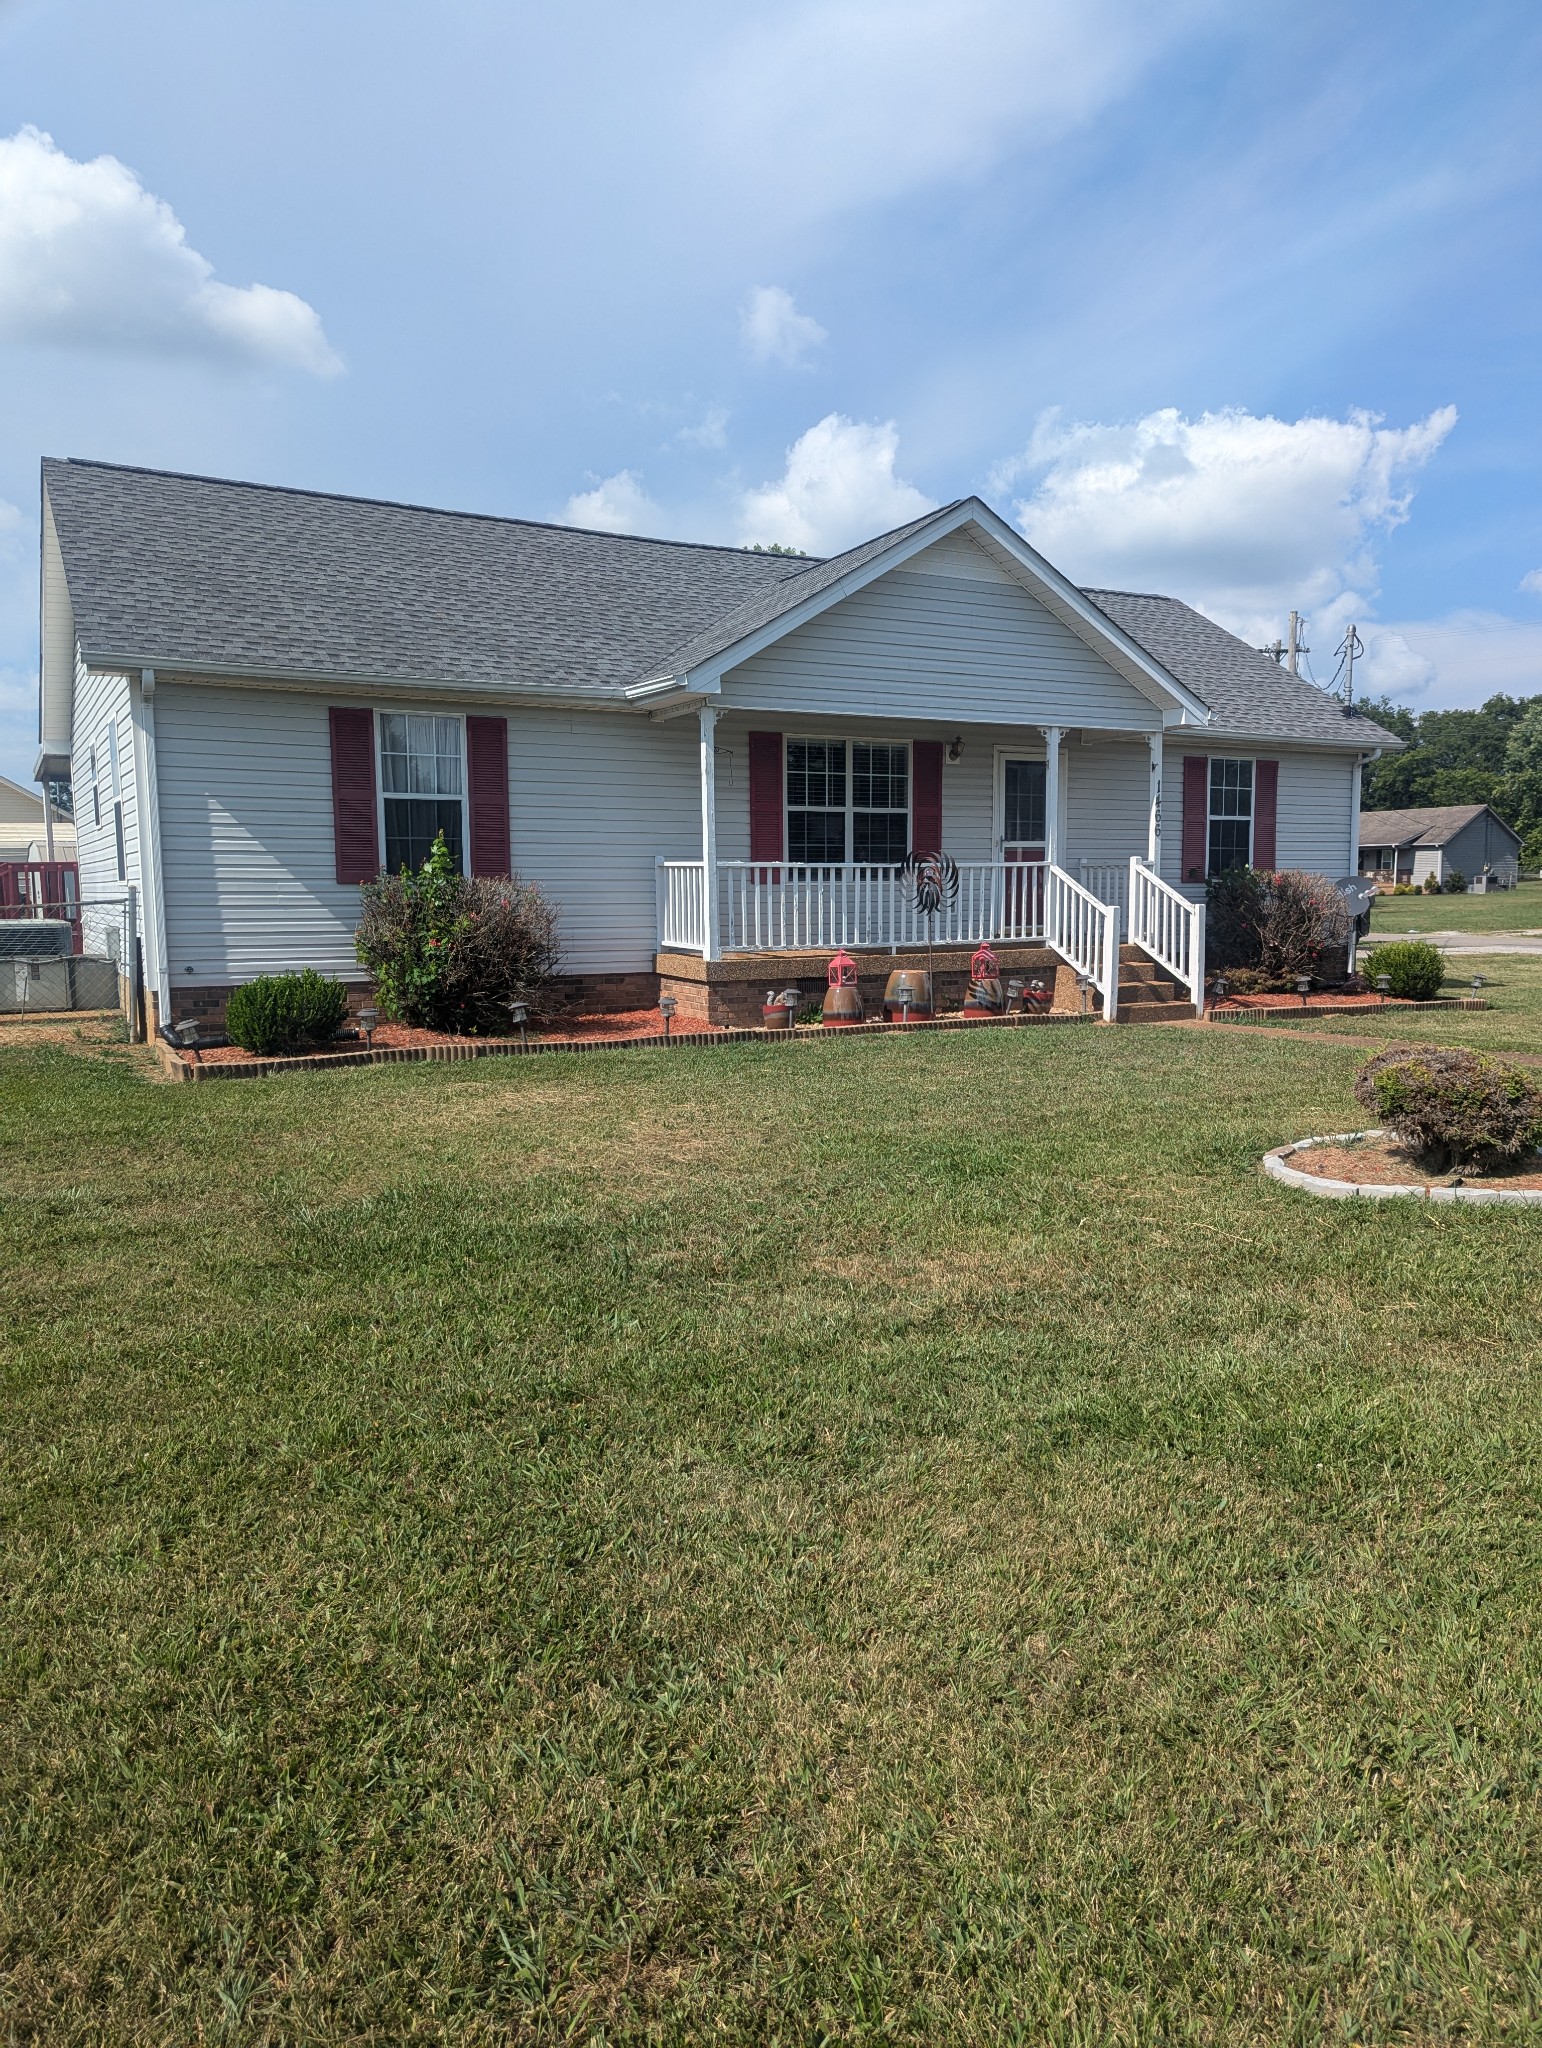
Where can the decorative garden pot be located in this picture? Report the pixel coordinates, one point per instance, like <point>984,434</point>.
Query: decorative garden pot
<point>774,1013</point>
<point>919,987</point>
<point>842,1005</point>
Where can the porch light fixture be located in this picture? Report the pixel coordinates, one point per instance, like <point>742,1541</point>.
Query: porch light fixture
<point>368,1019</point>
<point>667,1008</point>
<point>1384,986</point>
<point>519,1017</point>
<point>956,747</point>
<point>1303,987</point>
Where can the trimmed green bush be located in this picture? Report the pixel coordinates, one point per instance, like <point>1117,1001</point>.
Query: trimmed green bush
<point>1413,966</point>
<point>1451,1107</point>
<point>280,1012</point>
<point>1455,883</point>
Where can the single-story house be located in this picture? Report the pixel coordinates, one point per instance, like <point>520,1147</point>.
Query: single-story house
<point>1465,839</point>
<point>713,760</point>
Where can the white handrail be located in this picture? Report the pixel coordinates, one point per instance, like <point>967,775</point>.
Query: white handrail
<point>1085,932</point>
<point>681,893</point>
<point>1165,924</point>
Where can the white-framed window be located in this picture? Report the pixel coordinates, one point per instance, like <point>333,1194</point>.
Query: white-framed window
<point>1231,815</point>
<point>422,787</point>
<point>848,801</point>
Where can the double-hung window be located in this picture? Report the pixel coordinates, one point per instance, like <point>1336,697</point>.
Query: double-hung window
<point>1231,816</point>
<point>847,802</point>
<point>423,785</point>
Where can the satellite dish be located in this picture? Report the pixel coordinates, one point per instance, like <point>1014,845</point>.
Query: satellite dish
<point>1358,893</point>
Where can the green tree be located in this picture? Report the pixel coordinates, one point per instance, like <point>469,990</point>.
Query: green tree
<point>1450,757</point>
<point>1523,772</point>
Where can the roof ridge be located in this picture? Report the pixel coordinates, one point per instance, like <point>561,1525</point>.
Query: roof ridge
<point>233,483</point>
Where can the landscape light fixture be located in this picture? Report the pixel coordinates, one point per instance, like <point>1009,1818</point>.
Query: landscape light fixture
<point>1221,987</point>
<point>1036,989</point>
<point>904,1005</point>
<point>791,997</point>
<point>519,1017</point>
<point>1303,987</point>
<point>1083,984</point>
<point>187,1032</point>
<point>1014,997</point>
<point>1477,984</point>
<point>368,1019</point>
<point>1384,986</point>
<point>667,1008</point>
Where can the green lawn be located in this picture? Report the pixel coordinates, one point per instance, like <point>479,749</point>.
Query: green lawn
<point>901,1541</point>
<point>1506,910</point>
<point>1512,985</point>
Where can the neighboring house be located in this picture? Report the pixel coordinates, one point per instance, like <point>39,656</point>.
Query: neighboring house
<point>712,760</point>
<point>24,826</point>
<point>1466,839</point>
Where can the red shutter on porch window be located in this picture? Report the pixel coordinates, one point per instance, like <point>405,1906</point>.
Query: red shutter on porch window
<point>1266,797</point>
<point>926,796</point>
<point>1196,817</point>
<point>487,785</point>
<point>355,837</point>
<point>765,796</point>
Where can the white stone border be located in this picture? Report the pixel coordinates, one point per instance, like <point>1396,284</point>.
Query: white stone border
<point>1277,1168</point>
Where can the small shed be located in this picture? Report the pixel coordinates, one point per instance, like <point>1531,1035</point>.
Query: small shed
<point>1468,839</point>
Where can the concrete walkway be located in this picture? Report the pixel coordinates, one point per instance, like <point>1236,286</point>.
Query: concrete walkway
<point>1463,942</point>
<point>1520,1059</point>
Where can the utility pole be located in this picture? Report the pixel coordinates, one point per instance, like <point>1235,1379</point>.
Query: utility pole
<point>1275,649</point>
<point>1295,646</point>
<point>1349,647</point>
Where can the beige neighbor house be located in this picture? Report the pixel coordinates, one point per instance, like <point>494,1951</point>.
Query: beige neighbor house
<point>714,761</point>
<point>24,826</point>
<point>1431,844</point>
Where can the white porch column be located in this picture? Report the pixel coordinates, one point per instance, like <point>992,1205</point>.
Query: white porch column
<point>1053,734</point>
<point>708,717</point>
<point>1154,828</point>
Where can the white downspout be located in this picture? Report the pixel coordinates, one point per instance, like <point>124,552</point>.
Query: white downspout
<point>1154,822</point>
<point>147,802</point>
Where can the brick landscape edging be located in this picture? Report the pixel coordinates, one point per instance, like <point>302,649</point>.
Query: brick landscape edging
<point>181,1069</point>
<point>1223,1015</point>
<point>1277,1168</point>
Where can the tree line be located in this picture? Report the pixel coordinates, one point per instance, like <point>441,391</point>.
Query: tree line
<point>1489,756</point>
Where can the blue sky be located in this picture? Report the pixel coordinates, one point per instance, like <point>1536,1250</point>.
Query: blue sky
<point>1241,302</point>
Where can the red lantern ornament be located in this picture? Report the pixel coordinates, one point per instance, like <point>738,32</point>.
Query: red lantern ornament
<point>842,1004</point>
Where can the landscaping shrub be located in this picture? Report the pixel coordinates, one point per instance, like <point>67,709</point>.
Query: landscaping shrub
<point>1414,967</point>
<point>281,1012</point>
<point>1432,885</point>
<point>1279,926</point>
<point>1455,883</point>
<point>1451,1107</point>
<point>449,952</point>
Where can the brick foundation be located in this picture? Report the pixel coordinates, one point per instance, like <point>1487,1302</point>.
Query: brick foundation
<point>731,991</point>
<point>570,995</point>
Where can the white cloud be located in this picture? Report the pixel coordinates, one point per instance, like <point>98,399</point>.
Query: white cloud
<point>839,487</point>
<point>838,103</point>
<point>88,257</point>
<point>1391,668</point>
<point>711,431</point>
<point>774,331</point>
<point>1532,581</point>
<point>1471,655</point>
<point>616,504</point>
<point>1246,517</point>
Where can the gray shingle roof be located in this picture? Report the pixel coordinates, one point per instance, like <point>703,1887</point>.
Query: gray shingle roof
<point>188,572</point>
<point>192,572</point>
<point>1252,698</point>
<point>1435,825</point>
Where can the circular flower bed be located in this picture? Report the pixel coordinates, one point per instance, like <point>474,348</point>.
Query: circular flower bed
<point>1372,1164</point>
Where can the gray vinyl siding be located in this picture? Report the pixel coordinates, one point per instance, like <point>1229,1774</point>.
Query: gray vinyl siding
<point>1484,843</point>
<point>956,647</point>
<point>245,784</point>
<point>101,706</point>
<point>1317,812</point>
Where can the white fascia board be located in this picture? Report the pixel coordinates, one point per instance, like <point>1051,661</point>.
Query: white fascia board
<point>366,686</point>
<point>659,689</point>
<point>1058,596</point>
<point>56,642</point>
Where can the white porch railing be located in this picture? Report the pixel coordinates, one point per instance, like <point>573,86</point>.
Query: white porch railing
<point>1165,924</point>
<point>785,906</point>
<point>1108,880</point>
<point>1084,931</point>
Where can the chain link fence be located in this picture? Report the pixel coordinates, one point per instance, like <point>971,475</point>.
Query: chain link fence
<point>74,954</point>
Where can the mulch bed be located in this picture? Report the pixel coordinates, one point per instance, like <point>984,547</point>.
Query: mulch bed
<point>1382,1162</point>
<point>1237,1009</point>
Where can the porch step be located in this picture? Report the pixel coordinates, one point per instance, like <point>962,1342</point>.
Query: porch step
<point>1136,1012</point>
<point>1148,994</point>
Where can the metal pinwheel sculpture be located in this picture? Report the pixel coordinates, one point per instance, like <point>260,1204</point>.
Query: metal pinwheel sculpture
<point>930,880</point>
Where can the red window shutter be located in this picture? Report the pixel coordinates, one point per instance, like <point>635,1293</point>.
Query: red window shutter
<point>1266,799</point>
<point>1196,817</point>
<point>487,785</point>
<point>355,837</point>
<point>765,796</point>
<point>926,796</point>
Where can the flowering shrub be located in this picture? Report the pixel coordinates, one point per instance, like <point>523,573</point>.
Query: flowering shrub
<point>1274,926</point>
<point>1414,969</point>
<point>1451,1107</point>
<point>449,952</point>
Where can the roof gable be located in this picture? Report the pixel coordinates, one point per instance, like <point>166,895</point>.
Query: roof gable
<point>1429,825</point>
